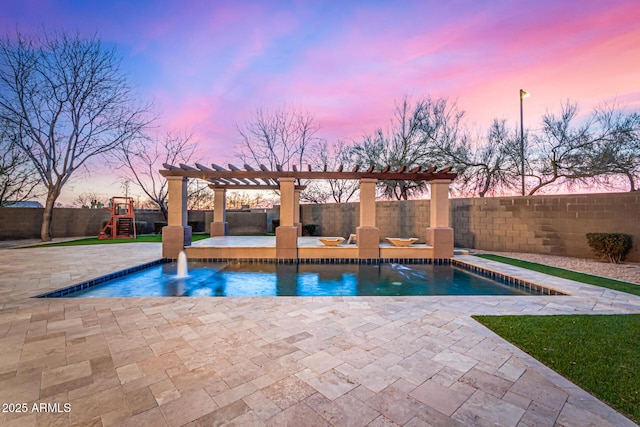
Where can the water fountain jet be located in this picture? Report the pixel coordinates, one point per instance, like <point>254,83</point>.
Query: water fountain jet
<point>183,270</point>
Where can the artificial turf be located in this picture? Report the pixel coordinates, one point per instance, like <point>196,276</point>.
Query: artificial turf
<point>589,279</point>
<point>600,353</point>
<point>95,241</point>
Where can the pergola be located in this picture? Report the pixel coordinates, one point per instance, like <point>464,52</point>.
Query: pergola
<point>177,234</point>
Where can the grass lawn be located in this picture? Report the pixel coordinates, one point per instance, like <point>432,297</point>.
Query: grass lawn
<point>157,238</point>
<point>604,282</point>
<point>600,353</point>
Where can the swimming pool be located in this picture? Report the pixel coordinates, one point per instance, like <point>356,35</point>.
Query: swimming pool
<point>240,279</point>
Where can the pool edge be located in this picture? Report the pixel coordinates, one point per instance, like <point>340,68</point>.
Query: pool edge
<point>505,279</point>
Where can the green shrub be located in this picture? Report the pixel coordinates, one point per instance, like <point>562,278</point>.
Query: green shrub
<point>275,223</point>
<point>157,226</point>
<point>309,229</point>
<point>610,246</point>
<point>196,226</point>
<point>141,227</point>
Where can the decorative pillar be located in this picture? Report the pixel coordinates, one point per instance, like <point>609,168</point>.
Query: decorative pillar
<point>287,232</point>
<point>296,210</point>
<point>219,226</point>
<point>368,235</point>
<point>439,233</point>
<point>177,234</point>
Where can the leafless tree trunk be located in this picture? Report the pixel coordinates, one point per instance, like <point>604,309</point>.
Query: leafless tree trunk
<point>144,158</point>
<point>70,103</point>
<point>18,178</point>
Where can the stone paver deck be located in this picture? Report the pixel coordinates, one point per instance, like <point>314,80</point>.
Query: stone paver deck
<point>346,361</point>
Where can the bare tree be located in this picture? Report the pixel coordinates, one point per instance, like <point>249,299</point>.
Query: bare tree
<point>409,142</point>
<point>486,166</point>
<point>86,199</point>
<point>333,157</point>
<point>586,150</point>
<point>70,103</point>
<point>279,138</point>
<point>18,179</point>
<point>143,159</point>
<point>199,195</point>
<point>239,199</point>
<point>617,154</point>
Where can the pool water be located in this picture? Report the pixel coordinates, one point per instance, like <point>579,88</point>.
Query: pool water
<point>253,280</point>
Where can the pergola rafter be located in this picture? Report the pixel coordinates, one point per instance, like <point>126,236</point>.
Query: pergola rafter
<point>250,177</point>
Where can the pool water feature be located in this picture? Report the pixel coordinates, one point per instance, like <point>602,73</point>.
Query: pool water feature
<point>239,279</point>
<point>183,265</point>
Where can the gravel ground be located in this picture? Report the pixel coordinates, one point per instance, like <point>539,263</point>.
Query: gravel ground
<point>629,272</point>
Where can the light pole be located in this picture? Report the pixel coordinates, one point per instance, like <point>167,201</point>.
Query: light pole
<point>523,95</point>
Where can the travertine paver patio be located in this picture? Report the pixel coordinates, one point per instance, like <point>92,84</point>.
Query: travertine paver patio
<point>375,361</point>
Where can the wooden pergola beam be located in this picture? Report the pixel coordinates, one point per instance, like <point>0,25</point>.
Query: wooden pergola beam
<point>252,178</point>
<point>252,187</point>
<point>274,175</point>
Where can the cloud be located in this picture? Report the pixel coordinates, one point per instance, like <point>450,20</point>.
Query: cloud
<point>209,65</point>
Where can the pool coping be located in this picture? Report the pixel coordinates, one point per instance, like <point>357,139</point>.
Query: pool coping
<point>99,280</point>
<point>505,279</point>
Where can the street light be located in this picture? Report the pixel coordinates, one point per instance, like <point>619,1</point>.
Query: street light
<point>523,95</point>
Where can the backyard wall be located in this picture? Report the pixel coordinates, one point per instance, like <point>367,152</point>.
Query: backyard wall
<point>24,223</point>
<point>244,222</point>
<point>537,224</point>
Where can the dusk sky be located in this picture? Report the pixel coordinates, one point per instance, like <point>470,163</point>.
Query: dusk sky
<point>208,65</point>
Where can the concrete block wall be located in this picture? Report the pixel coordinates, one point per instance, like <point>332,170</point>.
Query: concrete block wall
<point>538,224</point>
<point>336,219</point>
<point>24,223</point>
<point>546,224</point>
<point>246,222</point>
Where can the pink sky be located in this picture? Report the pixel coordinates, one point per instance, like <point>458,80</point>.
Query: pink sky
<point>208,66</point>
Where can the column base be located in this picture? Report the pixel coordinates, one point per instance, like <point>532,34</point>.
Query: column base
<point>174,239</point>
<point>441,239</point>
<point>219,229</point>
<point>368,241</point>
<point>299,225</point>
<point>287,242</point>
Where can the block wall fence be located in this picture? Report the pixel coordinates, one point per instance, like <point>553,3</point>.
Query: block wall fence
<point>545,224</point>
<point>24,223</point>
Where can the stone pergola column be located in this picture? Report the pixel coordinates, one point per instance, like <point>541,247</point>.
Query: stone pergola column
<point>439,233</point>
<point>219,226</point>
<point>296,211</point>
<point>177,234</point>
<point>287,232</point>
<point>367,234</point>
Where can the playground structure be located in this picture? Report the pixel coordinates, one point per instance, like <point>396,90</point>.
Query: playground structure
<point>122,224</point>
